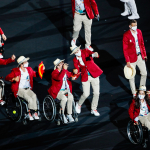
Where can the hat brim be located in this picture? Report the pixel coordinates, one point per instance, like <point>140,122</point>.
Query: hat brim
<point>126,72</point>
<point>58,63</point>
<point>26,59</point>
<point>75,50</point>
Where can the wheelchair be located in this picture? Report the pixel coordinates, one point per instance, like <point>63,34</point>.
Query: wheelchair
<point>138,134</point>
<point>51,108</point>
<point>17,109</point>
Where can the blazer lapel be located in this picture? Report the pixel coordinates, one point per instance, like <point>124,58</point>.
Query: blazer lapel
<point>131,37</point>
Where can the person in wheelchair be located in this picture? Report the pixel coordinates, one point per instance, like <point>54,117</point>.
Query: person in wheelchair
<point>61,85</point>
<point>4,62</point>
<point>22,84</point>
<point>140,107</point>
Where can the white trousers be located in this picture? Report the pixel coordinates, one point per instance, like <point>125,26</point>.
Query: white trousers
<point>77,24</point>
<point>145,120</point>
<point>130,5</point>
<point>63,99</point>
<point>142,67</point>
<point>86,91</point>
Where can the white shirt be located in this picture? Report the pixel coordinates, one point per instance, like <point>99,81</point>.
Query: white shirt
<point>80,60</point>
<point>143,110</point>
<point>79,6</point>
<point>65,83</point>
<point>25,79</point>
<point>136,42</point>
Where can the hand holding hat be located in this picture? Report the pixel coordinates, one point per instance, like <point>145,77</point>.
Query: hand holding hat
<point>129,72</point>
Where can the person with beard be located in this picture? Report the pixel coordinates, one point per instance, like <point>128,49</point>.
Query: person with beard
<point>90,73</point>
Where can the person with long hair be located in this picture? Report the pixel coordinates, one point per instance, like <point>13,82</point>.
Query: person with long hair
<point>140,107</point>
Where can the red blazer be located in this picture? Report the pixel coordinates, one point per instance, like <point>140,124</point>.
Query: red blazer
<point>57,81</point>
<point>89,5</point>
<point>6,61</point>
<point>16,72</point>
<point>134,112</point>
<point>90,66</point>
<point>1,31</point>
<point>129,49</point>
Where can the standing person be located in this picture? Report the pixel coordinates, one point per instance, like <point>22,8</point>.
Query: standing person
<point>22,83</point>
<point>4,62</point>
<point>90,73</point>
<point>2,36</point>
<point>83,13</point>
<point>61,85</point>
<point>135,53</point>
<point>130,8</point>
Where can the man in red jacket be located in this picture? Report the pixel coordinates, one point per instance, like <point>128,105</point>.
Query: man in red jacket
<point>4,62</point>
<point>90,73</point>
<point>135,53</point>
<point>22,84</point>
<point>1,44</point>
<point>82,12</point>
<point>61,85</point>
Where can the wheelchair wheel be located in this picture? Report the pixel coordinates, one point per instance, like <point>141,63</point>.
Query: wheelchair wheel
<point>49,108</point>
<point>14,108</point>
<point>135,133</point>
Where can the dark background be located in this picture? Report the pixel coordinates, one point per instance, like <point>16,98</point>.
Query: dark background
<point>42,30</point>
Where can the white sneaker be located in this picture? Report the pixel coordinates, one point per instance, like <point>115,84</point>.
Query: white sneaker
<point>73,42</point>
<point>133,16</point>
<point>30,117</point>
<point>89,48</point>
<point>70,118</point>
<point>95,112</point>
<point>2,102</point>
<point>65,119</point>
<point>78,108</point>
<point>35,116</point>
<point>125,13</point>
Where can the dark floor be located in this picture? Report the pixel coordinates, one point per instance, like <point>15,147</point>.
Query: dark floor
<point>42,30</point>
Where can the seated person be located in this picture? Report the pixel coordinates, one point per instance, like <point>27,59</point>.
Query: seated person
<point>140,107</point>
<point>5,62</point>
<point>61,85</point>
<point>22,84</point>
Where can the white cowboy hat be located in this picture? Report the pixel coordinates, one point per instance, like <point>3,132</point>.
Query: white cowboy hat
<point>74,48</point>
<point>57,62</point>
<point>22,59</point>
<point>129,72</point>
<point>142,88</point>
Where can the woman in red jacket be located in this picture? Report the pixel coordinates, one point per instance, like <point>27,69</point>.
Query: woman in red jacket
<point>140,107</point>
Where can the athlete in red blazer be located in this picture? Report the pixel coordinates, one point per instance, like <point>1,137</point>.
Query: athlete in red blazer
<point>129,46</point>
<point>90,73</point>
<point>135,53</point>
<point>90,66</point>
<point>57,81</point>
<point>16,73</point>
<point>87,4</point>
<point>83,13</point>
